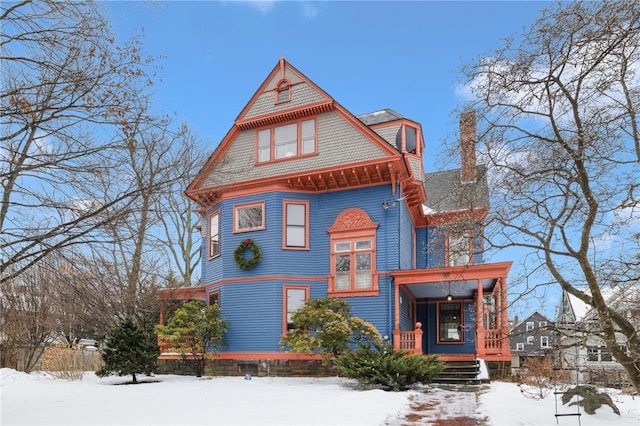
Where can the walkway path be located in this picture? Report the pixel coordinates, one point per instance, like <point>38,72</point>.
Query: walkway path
<point>442,405</point>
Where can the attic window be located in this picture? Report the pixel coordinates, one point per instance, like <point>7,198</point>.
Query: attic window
<point>287,141</point>
<point>283,92</point>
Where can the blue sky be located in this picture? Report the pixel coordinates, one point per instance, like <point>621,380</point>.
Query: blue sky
<point>367,55</point>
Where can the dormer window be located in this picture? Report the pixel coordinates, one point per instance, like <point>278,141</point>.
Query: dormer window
<point>283,92</point>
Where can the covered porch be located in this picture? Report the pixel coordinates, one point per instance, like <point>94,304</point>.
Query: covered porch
<point>458,313</point>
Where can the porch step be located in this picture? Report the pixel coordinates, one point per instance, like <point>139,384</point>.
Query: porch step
<point>460,372</point>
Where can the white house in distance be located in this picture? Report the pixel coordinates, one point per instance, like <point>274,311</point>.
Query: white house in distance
<point>579,345</point>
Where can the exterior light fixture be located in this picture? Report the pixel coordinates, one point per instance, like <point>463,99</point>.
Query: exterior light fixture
<point>449,296</point>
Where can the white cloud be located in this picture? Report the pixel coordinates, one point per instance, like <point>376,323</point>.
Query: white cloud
<point>309,9</point>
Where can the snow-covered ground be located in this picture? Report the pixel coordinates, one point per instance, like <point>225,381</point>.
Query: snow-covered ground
<point>39,399</point>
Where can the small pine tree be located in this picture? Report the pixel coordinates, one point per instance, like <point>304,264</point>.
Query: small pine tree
<point>129,350</point>
<point>380,364</point>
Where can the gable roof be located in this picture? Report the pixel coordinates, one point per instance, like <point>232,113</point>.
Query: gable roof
<point>571,309</point>
<point>354,146</point>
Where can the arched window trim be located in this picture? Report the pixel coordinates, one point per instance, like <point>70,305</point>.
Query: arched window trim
<point>353,226</point>
<point>283,91</point>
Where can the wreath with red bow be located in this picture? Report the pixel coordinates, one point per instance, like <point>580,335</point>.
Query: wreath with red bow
<point>250,262</point>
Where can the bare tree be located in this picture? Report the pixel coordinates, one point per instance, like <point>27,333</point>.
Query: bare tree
<point>67,105</point>
<point>180,221</point>
<point>559,109</point>
<point>27,317</point>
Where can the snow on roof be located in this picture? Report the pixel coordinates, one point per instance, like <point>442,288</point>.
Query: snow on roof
<point>580,308</point>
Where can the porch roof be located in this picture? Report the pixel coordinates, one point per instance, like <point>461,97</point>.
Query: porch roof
<point>459,281</point>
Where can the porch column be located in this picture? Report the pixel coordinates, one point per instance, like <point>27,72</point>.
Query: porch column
<point>396,316</point>
<point>504,328</point>
<point>480,350</point>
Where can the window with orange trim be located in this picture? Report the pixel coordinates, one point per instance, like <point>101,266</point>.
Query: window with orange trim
<point>353,260</point>
<point>294,298</point>
<point>296,224</point>
<point>460,248</point>
<point>214,234</point>
<point>283,92</point>
<point>353,266</point>
<point>285,141</point>
<point>450,322</point>
<point>248,217</point>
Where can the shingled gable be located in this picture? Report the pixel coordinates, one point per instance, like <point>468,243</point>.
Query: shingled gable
<point>343,140</point>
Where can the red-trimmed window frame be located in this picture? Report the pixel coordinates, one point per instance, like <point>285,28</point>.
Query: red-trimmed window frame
<point>466,233</point>
<point>214,295</point>
<point>286,225</point>
<point>210,250</point>
<point>236,207</point>
<point>353,237</point>
<point>460,330</point>
<point>272,142</point>
<point>283,92</point>
<point>285,303</point>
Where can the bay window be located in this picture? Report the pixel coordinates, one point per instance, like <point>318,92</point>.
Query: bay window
<point>296,219</point>
<point>248,217</point>
<point>214,234</point>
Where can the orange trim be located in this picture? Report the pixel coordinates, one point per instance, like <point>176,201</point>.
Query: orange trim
<point>469,272</point>
<point>246,205</point>
<point>183,293</point>
<point>285,203</point>
<point>353,293</point>
<point>285,306</point>
<point>213,293</point>
<point>252,356</point>
<point>350,226</point>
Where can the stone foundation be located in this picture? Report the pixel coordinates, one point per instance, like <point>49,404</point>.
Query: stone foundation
<point>257,368</point>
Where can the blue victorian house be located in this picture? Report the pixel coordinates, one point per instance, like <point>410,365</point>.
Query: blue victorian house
<point>339,206</point>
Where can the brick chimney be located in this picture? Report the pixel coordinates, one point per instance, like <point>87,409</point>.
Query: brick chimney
<point>468,146</point>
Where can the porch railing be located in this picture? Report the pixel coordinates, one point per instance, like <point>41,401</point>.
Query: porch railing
<point>492,341</point>
<point>167,344</point>
<point>410,341</point>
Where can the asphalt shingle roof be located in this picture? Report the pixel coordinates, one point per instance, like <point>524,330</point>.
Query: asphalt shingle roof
<point>446,192</point>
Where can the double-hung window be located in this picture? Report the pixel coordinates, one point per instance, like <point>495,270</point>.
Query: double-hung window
<point>294,299</point>
<point>544,341</point>
<point>248,217</point>
<point>460,248</point>
<point>289,140</point>
<point>296,224</point>
<point>214,234</point>
<point>519,346</point>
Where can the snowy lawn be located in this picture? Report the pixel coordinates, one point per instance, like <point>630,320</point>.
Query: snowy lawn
<point>39,399</point>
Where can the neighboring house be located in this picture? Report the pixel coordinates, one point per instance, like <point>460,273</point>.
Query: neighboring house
<point>340,206</point>
<point>533,337</point>
<point>580,347</point>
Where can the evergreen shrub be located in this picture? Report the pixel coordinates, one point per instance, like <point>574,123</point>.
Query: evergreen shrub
<point>380,364</point>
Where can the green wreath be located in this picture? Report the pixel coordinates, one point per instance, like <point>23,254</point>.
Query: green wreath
<point>250,263</point>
